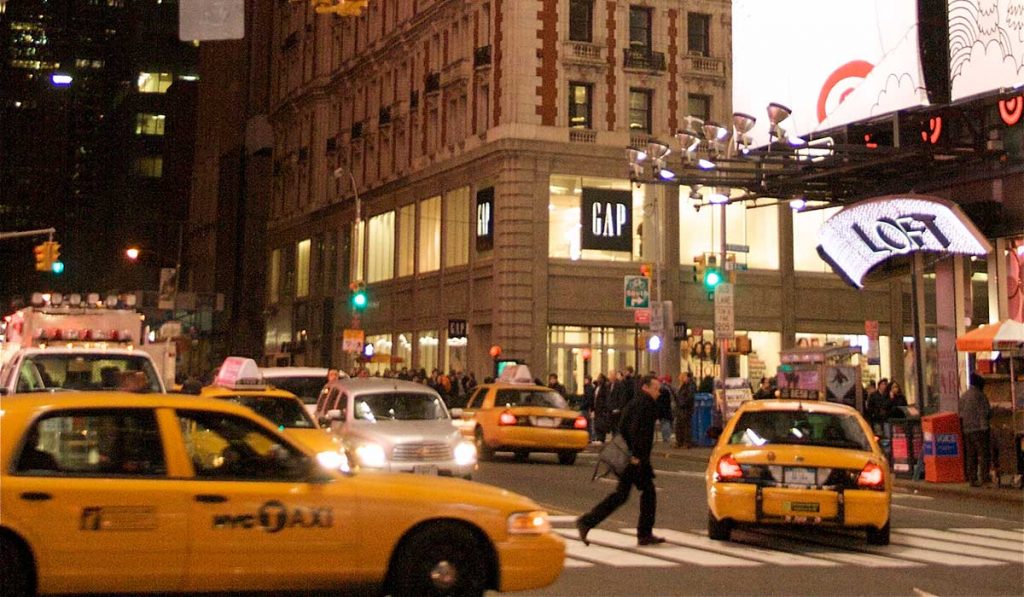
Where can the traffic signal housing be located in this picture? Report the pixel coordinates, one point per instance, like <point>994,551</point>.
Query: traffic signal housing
<point>358,299</point>
<point>699,265</point>
<point>42,253</point>
<point>56,265</point>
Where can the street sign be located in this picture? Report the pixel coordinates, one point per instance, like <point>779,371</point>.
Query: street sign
<point>871,331</point>
<point>724,312</point>
<point>636,292</point>
<point>642,316</point>
<point>657,316</point>
<point>352,340</point>
<point>737,248</point>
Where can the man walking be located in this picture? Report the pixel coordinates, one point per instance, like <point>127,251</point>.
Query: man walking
<point>637,428</point>
<point>974,414</point>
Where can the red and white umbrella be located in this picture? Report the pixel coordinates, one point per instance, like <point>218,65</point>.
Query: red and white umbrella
<point>1004,335</point>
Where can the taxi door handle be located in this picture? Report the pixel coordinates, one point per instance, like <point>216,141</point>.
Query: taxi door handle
<point>36,496</point>
<point>209,498</point>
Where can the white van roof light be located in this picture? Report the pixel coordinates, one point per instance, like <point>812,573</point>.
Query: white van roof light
<point>239,373</point>
<point>519,374</point>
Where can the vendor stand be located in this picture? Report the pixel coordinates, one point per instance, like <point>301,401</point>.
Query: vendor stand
<point>821,373</point>
<point>999,359</point>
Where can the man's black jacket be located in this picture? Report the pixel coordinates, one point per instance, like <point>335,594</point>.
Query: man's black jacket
<point>637,426</point>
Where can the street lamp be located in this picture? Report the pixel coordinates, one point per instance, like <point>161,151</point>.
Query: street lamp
<point>134,252</point>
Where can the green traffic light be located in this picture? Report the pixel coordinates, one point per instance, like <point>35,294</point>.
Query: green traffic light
<point>359,300</point>
<point>57,267</point>
<point>712,278</point>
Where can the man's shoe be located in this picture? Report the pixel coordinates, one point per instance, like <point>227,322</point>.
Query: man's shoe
<point>652,540</point>
<point>583,529</point>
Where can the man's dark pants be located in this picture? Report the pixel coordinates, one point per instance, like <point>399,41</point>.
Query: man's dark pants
<point>975,449</point>
<point>644,481</point>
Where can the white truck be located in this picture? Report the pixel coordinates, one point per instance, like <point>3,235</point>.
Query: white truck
<point>79,345</point>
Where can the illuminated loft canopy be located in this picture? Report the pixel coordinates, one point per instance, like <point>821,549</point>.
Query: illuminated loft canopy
<point>866,234</point>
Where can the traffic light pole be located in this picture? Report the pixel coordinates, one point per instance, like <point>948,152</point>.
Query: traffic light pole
<point>723,344</point>
<point>28,233</point>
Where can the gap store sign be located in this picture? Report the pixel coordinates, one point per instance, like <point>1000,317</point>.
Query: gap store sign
<point>606,218</point>
<point>867,234</point>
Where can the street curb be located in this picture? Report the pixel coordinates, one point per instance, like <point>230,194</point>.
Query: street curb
<point>907,486</point>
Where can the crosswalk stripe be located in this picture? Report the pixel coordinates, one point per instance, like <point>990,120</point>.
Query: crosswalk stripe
<point>611,556</point>
<point>967,538</point>
<point>767,556</point>
<point>681,555</point>
<point>942,546</point>
<point>557,519</point>
<point>574,563</point>
<point>1011,534</point>
<point>845,557</point>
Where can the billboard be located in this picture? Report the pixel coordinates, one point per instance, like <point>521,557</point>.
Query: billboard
<point>986,46</point>
<point>831,62</point>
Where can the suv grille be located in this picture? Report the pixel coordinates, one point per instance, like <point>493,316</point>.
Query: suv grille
<point>417,451</point>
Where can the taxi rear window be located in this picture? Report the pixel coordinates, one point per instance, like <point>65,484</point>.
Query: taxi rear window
<point>283,412</point>
<point>799,428</point>
<point>548,399</point>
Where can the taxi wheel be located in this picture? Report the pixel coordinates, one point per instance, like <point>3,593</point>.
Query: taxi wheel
<point>719,530</point>
<point>879,536</point>
<point>15,569</point>
<point>442,559</point>
<point>482,449</point>
<point>567,458</point>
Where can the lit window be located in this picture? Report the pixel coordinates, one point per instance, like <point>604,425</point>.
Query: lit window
<point>806,225</point>
<point>580,106</point>
<point>155,82</point>
<point>302,269</point>
<point>274,288</point>
<point>150,166</point>
<point>456,227</point>
<point>640,110</point>
<point>430,235</point>
<point>380,263</point>
<point>407,240</point>
<point>149,124</point>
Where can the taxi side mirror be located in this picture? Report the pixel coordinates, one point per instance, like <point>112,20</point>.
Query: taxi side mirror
<point>456,413</point>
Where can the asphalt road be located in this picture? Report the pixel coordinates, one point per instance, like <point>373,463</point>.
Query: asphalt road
<point>941,544</point>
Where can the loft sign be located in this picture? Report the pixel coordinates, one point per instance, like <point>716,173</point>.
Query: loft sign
<point>607,220</point>
<point>865,235</point>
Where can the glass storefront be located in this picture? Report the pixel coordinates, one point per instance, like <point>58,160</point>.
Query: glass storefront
<point>427,343</point>
<point>575,351</point>
<point>565,218</point>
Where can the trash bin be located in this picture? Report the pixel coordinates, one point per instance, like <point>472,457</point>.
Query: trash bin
<point>905,445</point>
<point>943,448</point>
<point>703,415</point>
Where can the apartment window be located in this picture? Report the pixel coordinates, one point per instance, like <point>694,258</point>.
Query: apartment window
<point>581,20</point>
<point>381,242</point>
<point>150,166</point>
<point>456,227</point>
<point>640,110</point>
<point>274,286</point>
<point>699,106</point>
<point>407,240</point>
<point>698,27</point>
<point>154,82</point>
<point>758,228</point>
<point>149,124</point>
<point>640,28</point>
<point>580,107</point>
<point>302,268</point>
<point>430,235</point>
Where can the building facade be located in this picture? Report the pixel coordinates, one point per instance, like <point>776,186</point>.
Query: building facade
<point>466,161</point>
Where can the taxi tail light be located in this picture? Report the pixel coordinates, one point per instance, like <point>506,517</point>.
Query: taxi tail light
<point>871,477</point>
<point>507,418</point>
<point>728,469</point>
<point>580,422</point>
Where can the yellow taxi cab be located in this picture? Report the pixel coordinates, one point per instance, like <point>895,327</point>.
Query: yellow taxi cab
<point>108,492</point>
<point>798,462</point>
<point>238,380</point>
<point>515,415</point>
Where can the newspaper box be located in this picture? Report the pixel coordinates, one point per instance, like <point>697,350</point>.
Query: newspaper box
<point>943,448</point>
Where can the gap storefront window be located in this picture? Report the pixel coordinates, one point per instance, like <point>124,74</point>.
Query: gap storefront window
<point>595,219</point>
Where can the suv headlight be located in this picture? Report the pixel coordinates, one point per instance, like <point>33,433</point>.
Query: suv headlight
<point>371,455</point>
<point>535,522</point>
<point>465,453</point>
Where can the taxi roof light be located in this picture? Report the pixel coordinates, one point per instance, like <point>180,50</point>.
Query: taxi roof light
<point>239,373</point>
<point>516,374</point>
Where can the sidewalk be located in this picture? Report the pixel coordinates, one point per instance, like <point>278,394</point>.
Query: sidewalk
<point>1002,494</point>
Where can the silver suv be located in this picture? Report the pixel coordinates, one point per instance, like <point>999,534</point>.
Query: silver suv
<point>395,425</point>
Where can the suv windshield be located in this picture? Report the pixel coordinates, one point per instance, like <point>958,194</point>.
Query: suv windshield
<point>545,398</point>
<point>306,388</point>
<point>799,428</point>
<point>286,413</point>
<point>55,372</point>
<point>399,406</point>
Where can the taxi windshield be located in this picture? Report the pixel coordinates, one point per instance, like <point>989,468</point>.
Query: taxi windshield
<point>66,371</point>
<point>286,413</point>
<point>543,398</point>
<point>799,427</point>
<point>399,406</point>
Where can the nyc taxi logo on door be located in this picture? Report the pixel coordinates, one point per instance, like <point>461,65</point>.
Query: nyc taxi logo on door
<point>273,516</point>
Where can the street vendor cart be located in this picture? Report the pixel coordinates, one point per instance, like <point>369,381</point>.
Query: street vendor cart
<point>821,373</point>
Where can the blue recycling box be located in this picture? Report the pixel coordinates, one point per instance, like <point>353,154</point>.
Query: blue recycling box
<point>703,415</point>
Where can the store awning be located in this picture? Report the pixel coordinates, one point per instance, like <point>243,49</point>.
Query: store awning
<point>1004,335</point>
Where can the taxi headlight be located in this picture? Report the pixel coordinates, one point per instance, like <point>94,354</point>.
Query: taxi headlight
<point>371,455</point>
<point>334,460</point>
<point>535,522</point>
<point>465,453</point>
